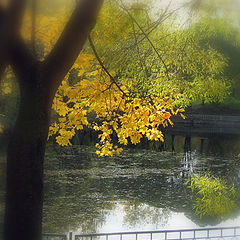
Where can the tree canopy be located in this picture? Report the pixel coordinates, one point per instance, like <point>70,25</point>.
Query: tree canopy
<point>130,86</point>
<point>137,71</point>
<point>132,77</point>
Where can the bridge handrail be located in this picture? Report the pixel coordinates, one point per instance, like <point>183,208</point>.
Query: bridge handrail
<point>235,231</point>
<point>158,231</point>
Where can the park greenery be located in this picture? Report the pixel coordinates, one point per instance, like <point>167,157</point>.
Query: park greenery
<point>136,73</point>
<point>213,196</point>
<point>133,76</point>
<point>138,70</point>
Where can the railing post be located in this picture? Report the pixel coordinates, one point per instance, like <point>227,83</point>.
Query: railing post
<point>70,235</point>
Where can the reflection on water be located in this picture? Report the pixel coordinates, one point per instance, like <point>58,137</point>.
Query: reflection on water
<point>213,196</point>
<point>138,190</point>
<point>142,189</point>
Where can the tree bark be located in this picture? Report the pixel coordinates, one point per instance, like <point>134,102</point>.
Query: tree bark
<point>23,214</point>
<point>24,198</point>
<point>38,83</point>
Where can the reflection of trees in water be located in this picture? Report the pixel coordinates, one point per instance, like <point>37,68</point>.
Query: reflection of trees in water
<point>72,199</point>
<point>209,154</point>
<point>205,144</point>
<point>73,202</point>
<point>81,197</point>
<point>154,182</point>
<point>137,213</point>
<point>213,197</point>
<point>187,157</point>
<point>81,190</point>
<point>222,145</point>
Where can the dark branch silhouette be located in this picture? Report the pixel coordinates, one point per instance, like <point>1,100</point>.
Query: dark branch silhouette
<point>71,41</point>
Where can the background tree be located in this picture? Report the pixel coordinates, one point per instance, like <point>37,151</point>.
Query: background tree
<point>219,24</point>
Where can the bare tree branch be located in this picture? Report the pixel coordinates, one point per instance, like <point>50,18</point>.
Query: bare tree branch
<point>138,51</point>
<point>103,67</point>
<point>147,37</point>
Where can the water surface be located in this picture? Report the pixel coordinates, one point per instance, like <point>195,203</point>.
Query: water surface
<point>142,189</point>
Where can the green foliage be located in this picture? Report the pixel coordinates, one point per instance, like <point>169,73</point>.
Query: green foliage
<point>155,56</point>
<point>224,37</point>
<point>214,197</point>
<point>218,25</point>
<point>154,69</point>
<point>224,9</point>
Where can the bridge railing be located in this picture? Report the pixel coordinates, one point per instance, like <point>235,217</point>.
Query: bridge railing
<point>182,234</point>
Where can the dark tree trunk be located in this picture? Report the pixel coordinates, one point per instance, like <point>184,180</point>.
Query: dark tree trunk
<point>38,83</point>
<point>23,218</point>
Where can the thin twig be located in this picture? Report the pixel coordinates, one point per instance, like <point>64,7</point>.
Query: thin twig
<point>146,36</point>
<point>138,51</point>
<point>103,67</point>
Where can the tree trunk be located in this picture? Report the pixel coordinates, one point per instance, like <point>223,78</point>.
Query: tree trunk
<point>38,83</point>
<point>23,218</point>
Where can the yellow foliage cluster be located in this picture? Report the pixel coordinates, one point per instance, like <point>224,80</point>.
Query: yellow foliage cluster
<point>6,88</point>
<point>6,85</point>
<point>115,111</point>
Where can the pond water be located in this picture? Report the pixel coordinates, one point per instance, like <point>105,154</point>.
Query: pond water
<point>142,189</point>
